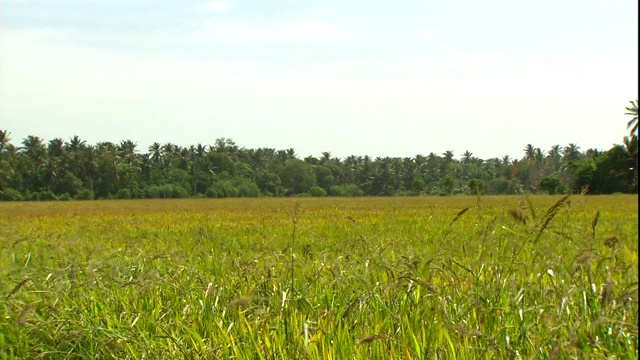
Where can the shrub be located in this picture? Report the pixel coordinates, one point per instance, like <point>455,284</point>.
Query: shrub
<point>317,191</point>
<point>448,186</point>
<point>346,190</point>
<point>85,194</point>
<point>476,187</point>
<point>222,189</point>
<point>29,196</point>
<point>498,186</point>
<point>553,185</point>
<point>247,188</point>
<point>11,195</point>
<point>165,191</point>
<point>65,197</point>
<point>46,195</point>
<point>418,186</point>
<point>123,193</point>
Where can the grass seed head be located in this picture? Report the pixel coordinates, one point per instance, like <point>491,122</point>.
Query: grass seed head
<point>25,314</point>
<point>242,301</point>
<point>371,338</point>
<point>551,213</point>
<point>206,293</point>
<point>607,292</point>
<point>518,215</point>
<point>584,190</point>
<point>586,256</point>
<point>17,287</point>
<point>594,223</point>
<point>459,215</point>
<point>611,241</point>
<point>530,206</point>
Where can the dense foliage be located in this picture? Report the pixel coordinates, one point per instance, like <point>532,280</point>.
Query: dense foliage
<point>75,170</point>
<point>58,169</point>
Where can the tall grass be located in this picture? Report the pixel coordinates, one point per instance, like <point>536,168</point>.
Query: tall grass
<point>422,278</point>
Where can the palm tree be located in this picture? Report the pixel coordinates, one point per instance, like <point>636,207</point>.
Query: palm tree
<point>529,152</point>
<point>466,157</point>
<point>76,144</point>
<point>126,148</point>
<point>167,152</point>
<point>33,147</point>
<point>571,152</point>
<point>633,123</point>
<point>554,153</point>
<point>631,145</point>
<point>326,156</point>
<point>55,148</point>
<point>538,154</point>
<point>4,139</point>
<point>592,153</point>
<point>201,150</point>
<point>156,152</point>
<point>553,158</point>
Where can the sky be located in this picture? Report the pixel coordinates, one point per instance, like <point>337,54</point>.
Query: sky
<point>351,77</point>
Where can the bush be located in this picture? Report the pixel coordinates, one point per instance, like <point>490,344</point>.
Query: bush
<point>499,186</point>
<point>29,196</point>
<point>222,189</point>
<point>123,193</point>
<point>11,195</point>
<point>85,194</point>
<point>418,186</point>
<point>553,185</point>
<point>346,190</point>
<point>247,188</point>
<point>46,195</point>
<point>448,186</point>
<point>165,191</point>
<point>65,197</point>
<point>476,187</point>
<point>317,191</point>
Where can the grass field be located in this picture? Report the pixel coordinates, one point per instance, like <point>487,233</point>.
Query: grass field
<point>332,278</point>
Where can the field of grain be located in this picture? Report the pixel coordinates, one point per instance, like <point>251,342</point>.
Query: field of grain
<point>331,278</point>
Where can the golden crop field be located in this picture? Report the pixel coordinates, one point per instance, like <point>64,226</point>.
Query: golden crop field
<point>328,278</point>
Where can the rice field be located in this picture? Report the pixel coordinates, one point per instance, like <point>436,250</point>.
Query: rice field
<point>508,277</point>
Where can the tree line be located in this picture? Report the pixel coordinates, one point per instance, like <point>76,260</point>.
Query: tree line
<point>73,169</point>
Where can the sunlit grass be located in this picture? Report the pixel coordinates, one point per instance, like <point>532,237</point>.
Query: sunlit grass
<point>320,278</point>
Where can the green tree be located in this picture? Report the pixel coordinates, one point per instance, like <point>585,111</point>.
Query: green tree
<point>553,185</point>
<point>614,172</point>
<point>297,175</point>
<point>582,172</point>
<point>418,186</point>
<point>448,185</point>
<point>476,187</point>
<point>317,191</point>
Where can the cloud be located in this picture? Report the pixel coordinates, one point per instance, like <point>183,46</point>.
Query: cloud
<point>215,6</point>
<point>295,31</point>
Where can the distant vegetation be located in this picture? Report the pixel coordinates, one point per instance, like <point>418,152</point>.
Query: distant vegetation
<point>58,169</point>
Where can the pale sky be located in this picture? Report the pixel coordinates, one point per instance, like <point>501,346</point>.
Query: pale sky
<point>353,77</point>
